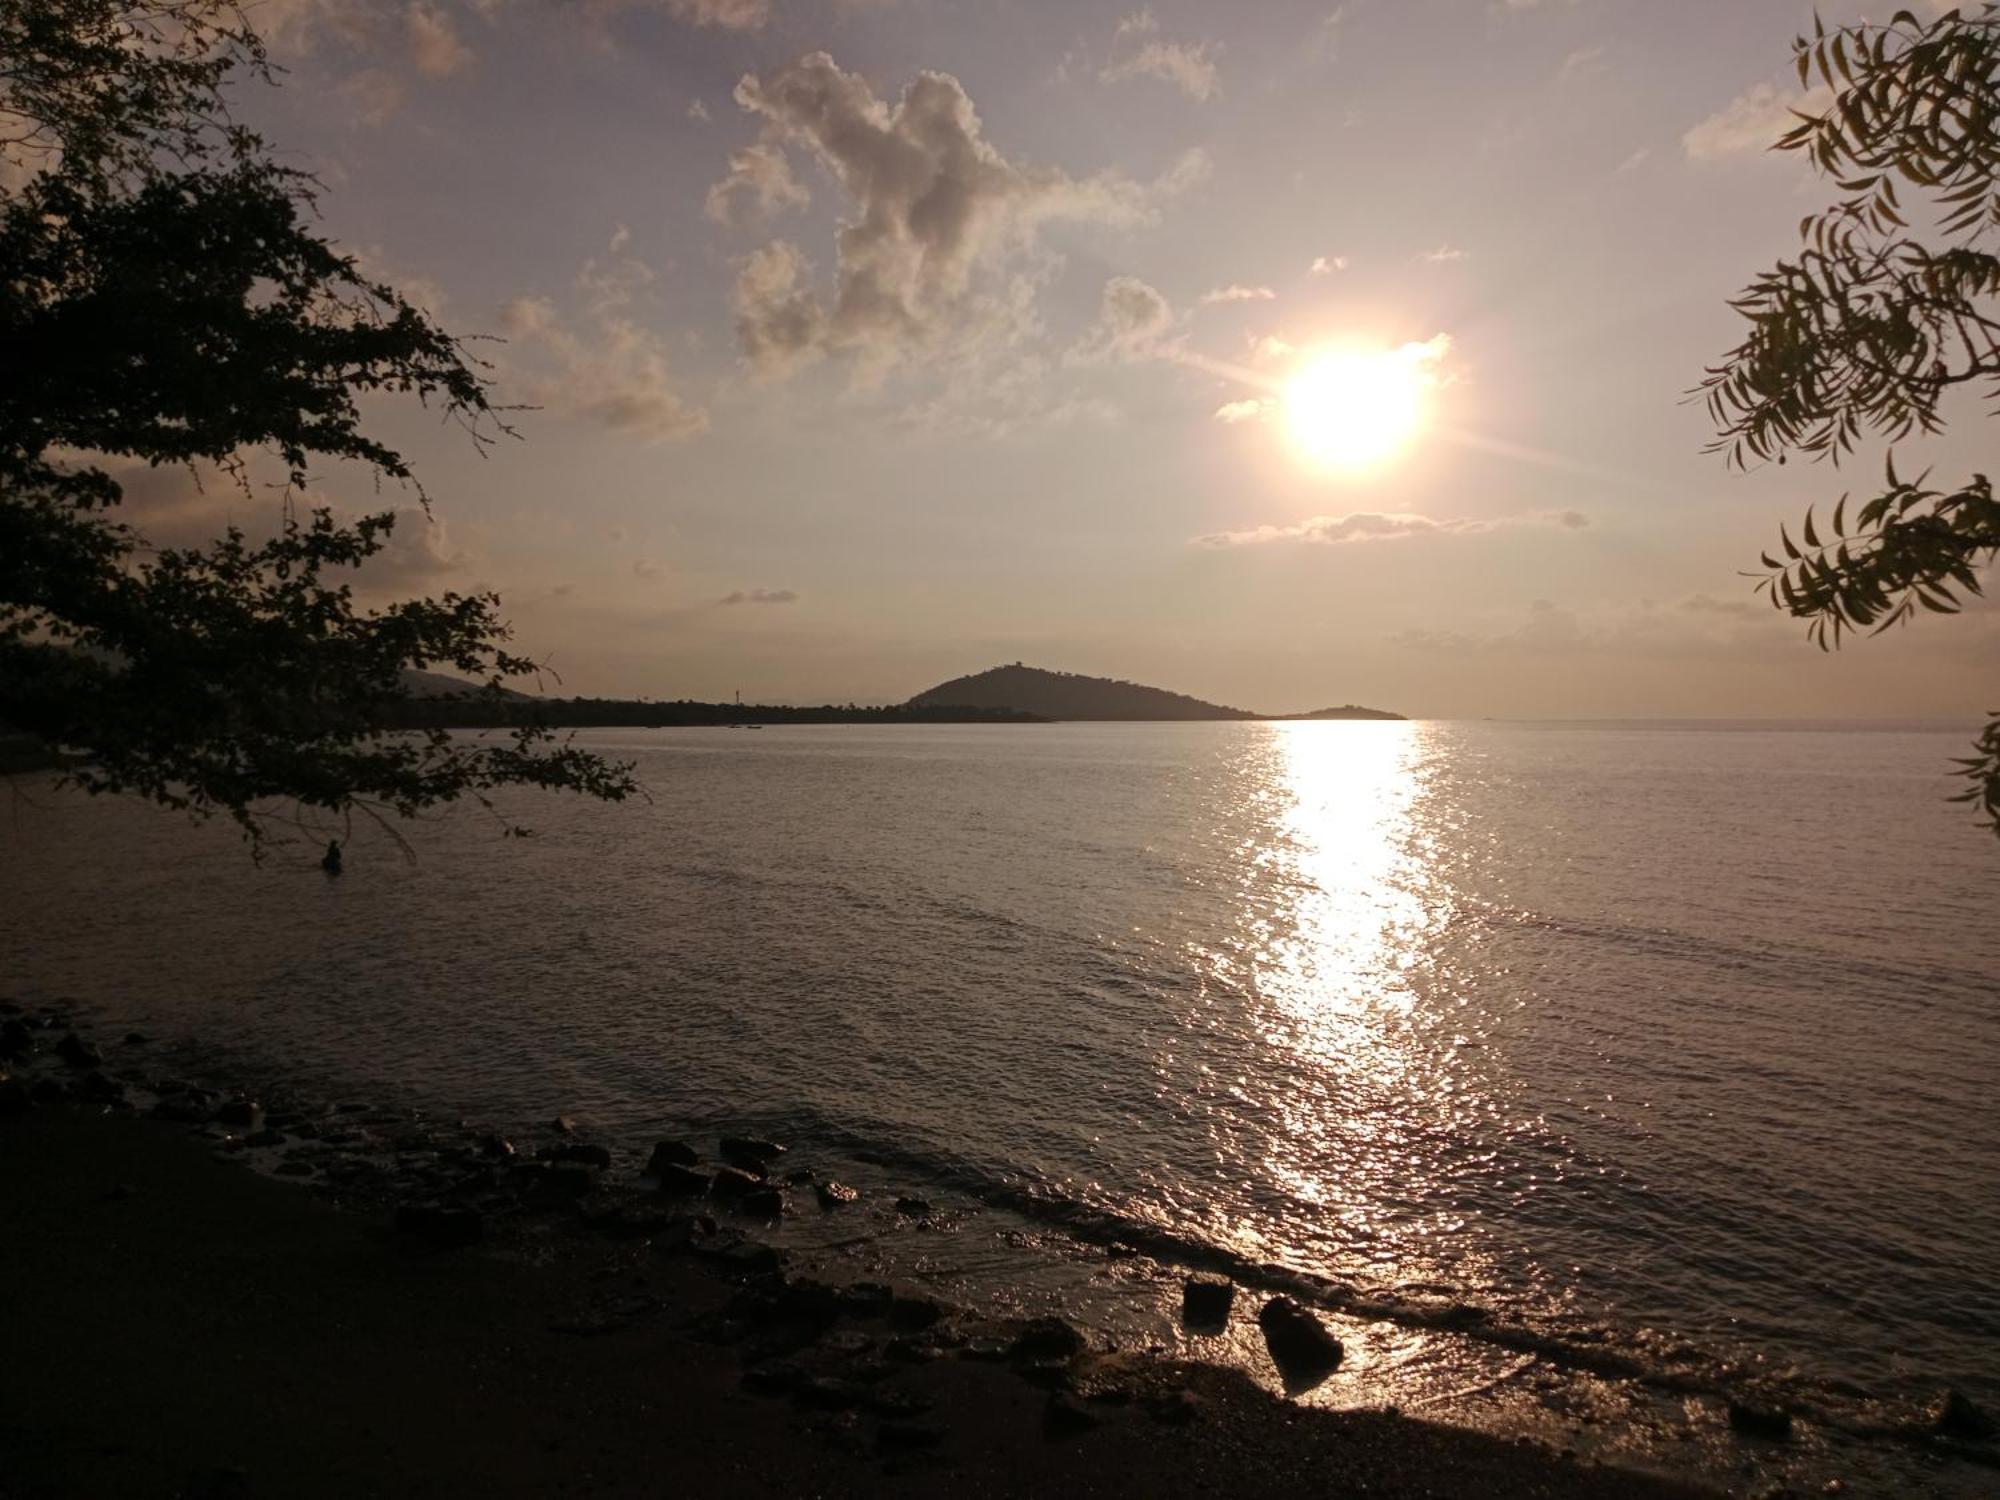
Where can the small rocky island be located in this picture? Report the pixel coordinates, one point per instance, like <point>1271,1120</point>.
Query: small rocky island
<point>1071,695</point>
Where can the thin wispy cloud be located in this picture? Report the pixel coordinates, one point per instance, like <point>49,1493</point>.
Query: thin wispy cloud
<point>1189,66</point>
<point>1386,526</point>
<point>760,596</point>
<point>1752,121</point>
<point>1444,255</point>
<point>1236,293</point>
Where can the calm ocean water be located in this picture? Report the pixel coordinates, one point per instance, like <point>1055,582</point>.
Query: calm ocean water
<point>1551,1055</point>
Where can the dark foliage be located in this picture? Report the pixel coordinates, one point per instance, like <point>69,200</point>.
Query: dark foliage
<point>1870,327</point>
<point>165,300</point>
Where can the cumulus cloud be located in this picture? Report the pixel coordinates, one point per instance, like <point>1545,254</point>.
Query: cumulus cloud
<point>604,366</point>
<point>760,175</point>
<point>937,247</point>
<point>761,596</point>
<point>1752,121</point>
<point>1133,320</point>
<point>1326,265</point>
<point>1188,66</point>
<point>1380,526</point>
<point>1234,293</point>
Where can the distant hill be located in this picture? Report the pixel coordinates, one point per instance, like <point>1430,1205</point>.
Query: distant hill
<point>439,685</point>
<point>1069,695</point>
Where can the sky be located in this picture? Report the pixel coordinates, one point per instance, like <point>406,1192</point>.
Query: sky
<point>866,343</point>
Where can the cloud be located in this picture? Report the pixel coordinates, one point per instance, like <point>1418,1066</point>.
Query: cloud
<point>1248,410</point>
<point>761,596</point>
<point>646,568</point>
<point>727,15</point>
<point>937,248</point>
<point>374,94</point>
<point>1752,121</point>
<point>761,175</point>
<point>1326,265</point>
<point>1234,293</point>
<point>1380,526</point>
<point>1133,320</point>
<point>1636,160</point>
<point>698,111</point>
<point>435,50</point>
<point>1189,66</point>
<point>605,367</point>
<point>1444,255</point>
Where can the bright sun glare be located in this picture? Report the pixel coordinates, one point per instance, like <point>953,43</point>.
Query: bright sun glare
<point>1355,408</point>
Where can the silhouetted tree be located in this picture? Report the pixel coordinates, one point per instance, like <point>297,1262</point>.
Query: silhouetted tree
<point>164,300</point>
<point>1870,326</point>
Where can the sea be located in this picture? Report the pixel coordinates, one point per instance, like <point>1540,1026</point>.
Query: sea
<point>1585,1076</point>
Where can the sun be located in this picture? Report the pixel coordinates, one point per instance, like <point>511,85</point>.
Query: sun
<point>1353,409</point>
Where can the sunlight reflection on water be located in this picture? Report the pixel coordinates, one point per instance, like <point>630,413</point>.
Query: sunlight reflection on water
<point>1335,946</point>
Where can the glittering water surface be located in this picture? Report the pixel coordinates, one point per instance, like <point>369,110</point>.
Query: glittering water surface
<point>1676,1042</point>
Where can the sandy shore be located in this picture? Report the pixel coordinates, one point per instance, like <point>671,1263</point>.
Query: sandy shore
<point>177,1325</point>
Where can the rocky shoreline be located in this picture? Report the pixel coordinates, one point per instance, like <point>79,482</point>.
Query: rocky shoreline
<point>668,1248</point>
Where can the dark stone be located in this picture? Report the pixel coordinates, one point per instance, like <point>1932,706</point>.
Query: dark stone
<point>762,1203</point>
<point>1206,1301</point>
<point>78,1053</point>
<point>679,1182</point>
<point>828,1393</point>
<point>16,1039</point>
<point>1753,1419</point>
<point>589,1156</point>
<point>216,1484</point>
<point>914,1208</point>
<point>1173,1408</point>
<point>744,1257</point>
<point>95,1088</point>
<point>47,1091</point>
<point>136,1039</point>
<point>914,1314</point>
<point>834,1194</point>
<point>293,1169</point>
<point>496,1146</point>
<point>670,1154</point>
<point>441,1227</point>
<point>730,1185</point>
<point>191,1108</point>
<point>1955,1416</point>
<point>1046,1338</point>
<point>13,1096</point>
<point>866,1299</point>
<point>909,1437</point>
<point>563,1125</point>
<point>1063,1417</point>
<point>246,1114</point>
<point>544,1186</point>
<point>749,1153</point>
<point>1304,1352</point>
<point>772,1379</point>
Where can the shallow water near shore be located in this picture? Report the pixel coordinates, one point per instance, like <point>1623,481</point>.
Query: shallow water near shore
<point>1586,1074</point>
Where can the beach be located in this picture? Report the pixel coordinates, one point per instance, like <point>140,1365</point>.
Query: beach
<point>182,1326</point>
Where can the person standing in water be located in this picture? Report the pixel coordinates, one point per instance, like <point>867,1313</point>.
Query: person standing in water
<point>330,861</point>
